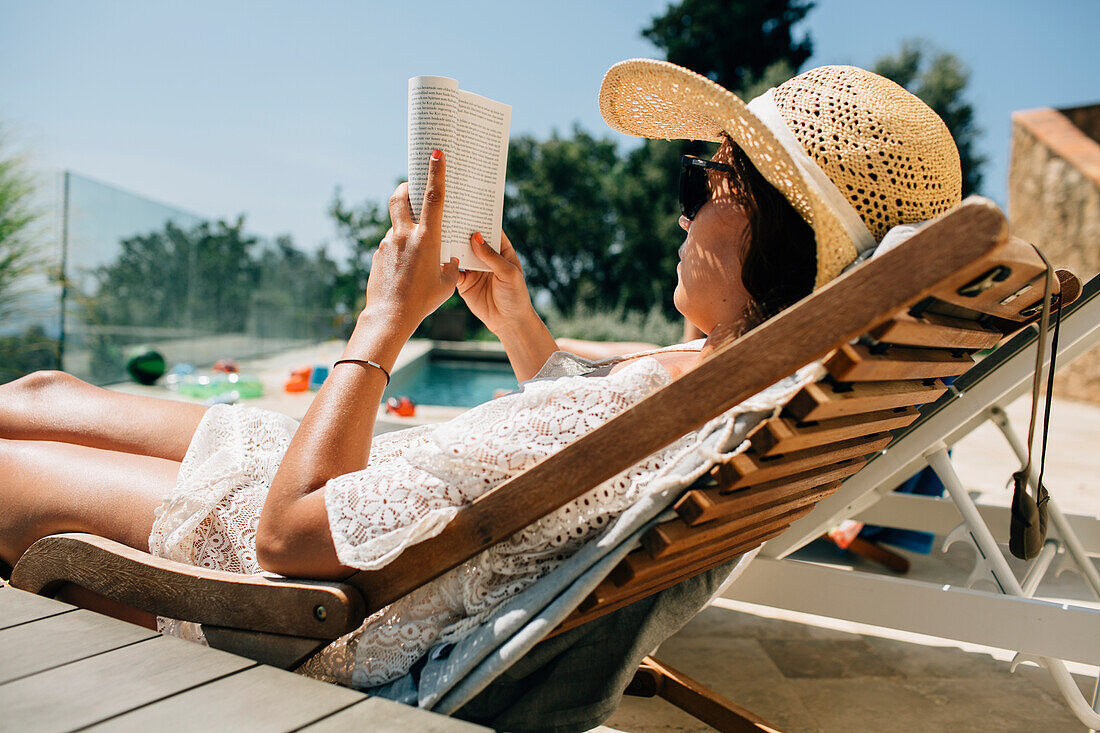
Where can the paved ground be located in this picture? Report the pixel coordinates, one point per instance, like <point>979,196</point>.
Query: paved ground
<point>813,674</point>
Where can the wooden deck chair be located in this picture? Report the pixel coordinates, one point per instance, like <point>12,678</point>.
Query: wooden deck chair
<point>891,329</point>
<point>1008,616</point>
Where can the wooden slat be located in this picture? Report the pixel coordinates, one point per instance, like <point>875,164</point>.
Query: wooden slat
<point>786,434</point>
<point>592,609</point>
<point>260,698</point>
<point>645,573</point>
<point>750,468</point>
<point>823,401</point>
<point>700,701</point>
<point>277,650</point>
<point>93,689</point>
<point>949,251</point>
<point>703,505</point>
<point>1025,268</point>
<point>856,363</point>
<point>379,715</point>
<point>57,640</point>
<point>935,331</point>
<point>19,607</point>
<point>676,536</point>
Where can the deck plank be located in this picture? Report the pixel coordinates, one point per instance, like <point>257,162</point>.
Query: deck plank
<point>258,699</point>
<point>64,668</point>
<point>17,607</point>
<point>379,715</point>
<point>56,640</point>
<point>94,689</point>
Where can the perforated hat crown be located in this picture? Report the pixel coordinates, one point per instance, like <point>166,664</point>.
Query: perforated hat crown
<point>853,152</point>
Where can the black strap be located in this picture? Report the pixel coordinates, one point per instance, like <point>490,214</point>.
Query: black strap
<point>1050,399</point>
<point>1028,525</point>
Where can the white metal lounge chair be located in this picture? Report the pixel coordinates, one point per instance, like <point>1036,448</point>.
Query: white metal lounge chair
<point>1008,617</point>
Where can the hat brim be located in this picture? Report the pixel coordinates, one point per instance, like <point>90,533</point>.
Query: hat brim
<point>660,100</point>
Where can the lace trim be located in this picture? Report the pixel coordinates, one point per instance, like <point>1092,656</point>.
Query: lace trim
<point>415,481</point>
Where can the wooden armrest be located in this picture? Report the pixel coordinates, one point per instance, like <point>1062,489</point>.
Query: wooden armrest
<point>313,609</point>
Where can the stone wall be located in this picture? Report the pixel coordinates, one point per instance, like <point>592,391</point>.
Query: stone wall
<point>1086,119</point>
<point>1054,202</point>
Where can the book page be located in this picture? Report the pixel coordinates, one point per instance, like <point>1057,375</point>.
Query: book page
<point>476,167</point>
<point>433,112</point>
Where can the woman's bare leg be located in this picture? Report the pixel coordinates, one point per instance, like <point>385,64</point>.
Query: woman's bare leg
<point>48,487</point>
<point>54,406</point>
<point>51,487</point>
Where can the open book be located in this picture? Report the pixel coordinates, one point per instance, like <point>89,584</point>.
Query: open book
<point>473,133</point>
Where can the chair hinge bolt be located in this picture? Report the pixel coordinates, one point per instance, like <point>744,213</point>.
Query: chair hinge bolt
<point>320,613</point>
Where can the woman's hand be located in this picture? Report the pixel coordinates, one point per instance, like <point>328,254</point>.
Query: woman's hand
<point>498,298</point>
<point>406,281</point>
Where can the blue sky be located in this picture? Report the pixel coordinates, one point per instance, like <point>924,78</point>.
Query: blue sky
<point>265,107</point>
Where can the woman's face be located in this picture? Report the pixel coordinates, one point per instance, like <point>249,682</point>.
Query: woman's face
<point>709,290</point>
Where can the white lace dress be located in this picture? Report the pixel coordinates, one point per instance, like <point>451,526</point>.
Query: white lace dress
<point>414,483</point>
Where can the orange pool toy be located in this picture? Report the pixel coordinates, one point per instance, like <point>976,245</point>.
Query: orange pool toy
<point>299,380</point>
<point>401,406</point>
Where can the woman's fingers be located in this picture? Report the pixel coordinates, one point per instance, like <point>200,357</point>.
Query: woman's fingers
<point>507,250</point>
<point>400,209</point>
<point>495,260</point>
<point>451,273</point>
<point>387,239</point>
<point>431,212</point>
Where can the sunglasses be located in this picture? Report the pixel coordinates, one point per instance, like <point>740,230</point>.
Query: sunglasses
<point>694,188</point>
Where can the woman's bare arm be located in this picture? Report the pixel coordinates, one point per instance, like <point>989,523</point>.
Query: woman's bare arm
<point>500,300</point>
<point>603,349</point>
<point>528,344</point>
<point>406,284</point>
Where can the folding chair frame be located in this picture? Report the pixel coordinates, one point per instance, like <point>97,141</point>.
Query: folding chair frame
<point>1042,632</point>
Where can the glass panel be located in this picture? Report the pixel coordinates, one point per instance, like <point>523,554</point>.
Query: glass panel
<point>141,275</point>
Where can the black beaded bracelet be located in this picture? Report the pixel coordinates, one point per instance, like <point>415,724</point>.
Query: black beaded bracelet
<point>365,362</point>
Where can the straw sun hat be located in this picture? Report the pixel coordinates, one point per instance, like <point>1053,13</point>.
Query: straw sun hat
<point>853,152</point>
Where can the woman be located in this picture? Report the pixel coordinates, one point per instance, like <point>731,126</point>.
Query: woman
<point>808,176</point>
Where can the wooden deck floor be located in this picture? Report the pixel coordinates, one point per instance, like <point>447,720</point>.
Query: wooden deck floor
<point>64,668</point>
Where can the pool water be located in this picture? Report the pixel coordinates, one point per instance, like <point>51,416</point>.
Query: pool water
<point>454,382</point>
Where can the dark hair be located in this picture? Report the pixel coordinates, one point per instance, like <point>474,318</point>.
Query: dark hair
<point>780,261</point>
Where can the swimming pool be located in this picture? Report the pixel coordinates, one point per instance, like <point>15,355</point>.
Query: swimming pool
<point>458,380</point>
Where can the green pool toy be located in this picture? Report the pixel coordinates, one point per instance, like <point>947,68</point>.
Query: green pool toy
<point>145,365</point>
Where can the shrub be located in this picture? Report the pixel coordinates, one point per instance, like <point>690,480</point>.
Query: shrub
<point>618,324</point>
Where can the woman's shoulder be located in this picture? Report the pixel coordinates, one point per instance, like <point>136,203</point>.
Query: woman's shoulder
<point>677,359</point>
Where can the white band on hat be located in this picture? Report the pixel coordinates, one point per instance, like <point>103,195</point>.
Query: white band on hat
<point>765,110</point>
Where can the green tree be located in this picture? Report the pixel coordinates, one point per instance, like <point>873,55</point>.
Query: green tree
<point>295,294</point>
<point>360,228</point>
<point>17,254</point>
<point>940,78</point>
<point>560,213</point>
<point>732,43</point>
<point>23,353</point>
<point>202,278</point>
<point>20,353</point>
